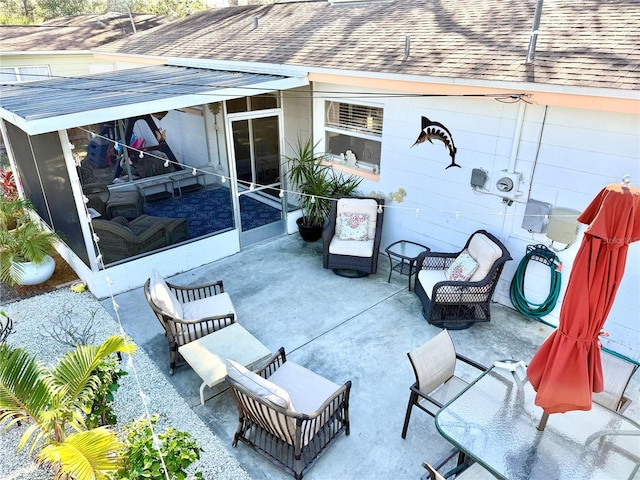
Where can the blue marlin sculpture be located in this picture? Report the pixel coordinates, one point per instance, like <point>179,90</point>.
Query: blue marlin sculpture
<point>437,131</point>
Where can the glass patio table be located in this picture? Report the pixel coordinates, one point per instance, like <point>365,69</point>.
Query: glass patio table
<point>494,420</point>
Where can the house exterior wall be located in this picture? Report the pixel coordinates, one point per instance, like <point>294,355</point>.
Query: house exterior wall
<point>566,156</point>
<point>60,65</point>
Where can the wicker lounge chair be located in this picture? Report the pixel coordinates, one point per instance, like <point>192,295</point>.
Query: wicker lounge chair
<point>120,238</point>
<point>113,203</point>
<point>268,423</point>
<point>458,304</point>
<point>350,251</point>
<point>434,365</point>
<point>188,313</point>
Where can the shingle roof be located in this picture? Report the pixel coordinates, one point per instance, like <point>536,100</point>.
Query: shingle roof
<point>581,42</point>
<point>82,32</point>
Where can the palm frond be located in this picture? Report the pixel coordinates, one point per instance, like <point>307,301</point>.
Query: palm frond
<point>23,391</point>
<point>85,455</point>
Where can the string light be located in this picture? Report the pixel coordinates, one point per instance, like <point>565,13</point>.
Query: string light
<point>166,163</point>
<point>417,212</point>
<point>252,187</point>
<point>281,194</point>
<point>194,172</point>
<point>313,199</point>
<point>141,155</point>
<point>379,208</point>
<point>223,179</point>
<point>457,215</point>
<point>96,238</point>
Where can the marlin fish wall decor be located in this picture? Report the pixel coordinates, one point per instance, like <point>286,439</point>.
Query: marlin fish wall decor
<point>437,131</point>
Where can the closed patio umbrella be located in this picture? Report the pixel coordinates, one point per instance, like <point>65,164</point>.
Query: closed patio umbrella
<point>567,367</point>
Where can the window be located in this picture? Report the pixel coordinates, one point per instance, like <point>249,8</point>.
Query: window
<point>357,128</point>
<point>24,74</point>
<point>249,104</point>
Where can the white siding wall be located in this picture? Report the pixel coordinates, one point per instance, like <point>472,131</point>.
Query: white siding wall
<point>580,152</point>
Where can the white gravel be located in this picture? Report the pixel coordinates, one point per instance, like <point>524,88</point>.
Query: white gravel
<point>31,317</point>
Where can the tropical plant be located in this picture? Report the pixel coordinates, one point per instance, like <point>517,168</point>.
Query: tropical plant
<point>101,412</point>
<point>8,185</point>
<point>12,211</point>
<point>317,183</point>
<point>55,400</point>
<point>28,242</point>
<point>178,450</point>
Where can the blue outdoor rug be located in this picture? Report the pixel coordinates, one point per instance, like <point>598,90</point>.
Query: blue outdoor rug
<point>210,211</point>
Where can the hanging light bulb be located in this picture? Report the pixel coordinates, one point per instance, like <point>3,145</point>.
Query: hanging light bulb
<point>194,172</point>
<point>223,179</point>
<point>96,238</point>
<point>379,208</point>
<point>93,134</point>
<point>281,194</point>
<point>417,212</point>
<point>85,199</point>
<point>166,163</point>
<point>252,187</point>
<point>141,155</point>
<point>313,199</point>
<point>72,146</point>
<point>99,258</point>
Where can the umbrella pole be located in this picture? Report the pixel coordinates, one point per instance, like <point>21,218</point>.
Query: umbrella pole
<point>543,421</point>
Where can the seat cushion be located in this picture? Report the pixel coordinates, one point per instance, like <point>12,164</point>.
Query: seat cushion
<point>307,389</point>
<point>219,304</point>
<point>363,248</point>
<point>485,252</point>
<point>258,385</point>
<point>163,297</point>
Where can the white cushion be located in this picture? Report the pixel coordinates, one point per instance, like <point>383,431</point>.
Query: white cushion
<point>485,252</point>
<point>258,385</point>
<point>462,268</point>
<point>348,247</point>
<point>367,206</point>
<point>219,304</point>
<point>307,389</point>
<point>163,297</point>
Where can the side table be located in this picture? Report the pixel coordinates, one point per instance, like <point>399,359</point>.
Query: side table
<point>406,253</point>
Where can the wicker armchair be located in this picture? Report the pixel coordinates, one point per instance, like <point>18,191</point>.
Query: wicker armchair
<point>459,304</point>
<point>113,203</point>
<point>188,313</point>
<point>348,255</point>
<point>292,439</point>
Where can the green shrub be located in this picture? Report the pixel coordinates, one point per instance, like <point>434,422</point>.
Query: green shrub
<point>100,411</point>
<point>142,460</point>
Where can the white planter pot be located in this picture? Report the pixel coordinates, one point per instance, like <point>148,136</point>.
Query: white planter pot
<point>34,274</point>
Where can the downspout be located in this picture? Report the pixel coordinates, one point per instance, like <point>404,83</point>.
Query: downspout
<point>531,52</point>
<point>516,137</point>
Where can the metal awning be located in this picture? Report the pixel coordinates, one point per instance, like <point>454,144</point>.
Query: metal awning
<point>67,102</point>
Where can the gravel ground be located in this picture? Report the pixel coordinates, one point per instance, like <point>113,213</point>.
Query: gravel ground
<point>32,317</point>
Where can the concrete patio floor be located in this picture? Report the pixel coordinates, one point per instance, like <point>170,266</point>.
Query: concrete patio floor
<point>343,329</point>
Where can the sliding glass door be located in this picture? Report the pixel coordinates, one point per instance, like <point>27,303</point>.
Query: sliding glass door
<point>256,158</point>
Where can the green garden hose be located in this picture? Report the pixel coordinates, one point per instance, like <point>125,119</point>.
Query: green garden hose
<point>541,254</point>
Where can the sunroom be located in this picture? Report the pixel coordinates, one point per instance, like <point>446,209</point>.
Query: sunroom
<point>195,153</point>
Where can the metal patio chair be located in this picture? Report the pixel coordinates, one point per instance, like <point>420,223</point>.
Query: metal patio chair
<point>617,373</point>
<point>434,365</point>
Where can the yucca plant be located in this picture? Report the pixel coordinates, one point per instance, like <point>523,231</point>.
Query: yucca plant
<point>55,401</point>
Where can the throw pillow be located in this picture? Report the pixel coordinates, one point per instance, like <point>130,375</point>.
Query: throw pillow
<point>163,297</point>
<point>462,268</point>
<point>258,385</point>
<point>354,226</point>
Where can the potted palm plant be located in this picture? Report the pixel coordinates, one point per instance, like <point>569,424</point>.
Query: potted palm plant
<point>25,253</point>
<point>317,184</point>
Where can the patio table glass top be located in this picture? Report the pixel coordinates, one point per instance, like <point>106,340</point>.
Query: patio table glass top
<point>494,421</point>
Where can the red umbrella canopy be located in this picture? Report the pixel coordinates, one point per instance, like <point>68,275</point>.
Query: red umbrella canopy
<point>567,367</point>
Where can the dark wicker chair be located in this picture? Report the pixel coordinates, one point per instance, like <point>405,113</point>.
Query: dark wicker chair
<point>202,298</point>
<point>434,365</point>
<point>353,258</point>
<point>120,238</point>
<point>456,304</point>
<point>113,203</point>
<point>293,440</point>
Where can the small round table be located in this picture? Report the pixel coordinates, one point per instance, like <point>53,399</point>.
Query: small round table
<point>407,253</point>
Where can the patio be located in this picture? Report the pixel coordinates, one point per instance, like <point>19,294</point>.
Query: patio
<point>343,329</point>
